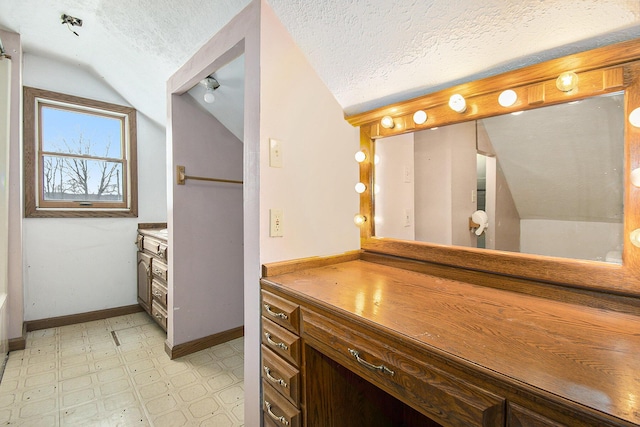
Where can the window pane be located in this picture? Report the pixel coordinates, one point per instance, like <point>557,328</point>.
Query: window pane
<point>65,131</point>
<point>78,179</point>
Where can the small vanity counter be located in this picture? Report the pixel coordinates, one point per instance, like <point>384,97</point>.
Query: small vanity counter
<point>464,354</point>
<point>153,271</point>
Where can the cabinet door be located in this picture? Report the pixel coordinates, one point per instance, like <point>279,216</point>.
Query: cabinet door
<point>144,280</point>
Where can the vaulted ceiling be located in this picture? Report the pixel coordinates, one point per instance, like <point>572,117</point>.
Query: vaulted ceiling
<point>368,52</point>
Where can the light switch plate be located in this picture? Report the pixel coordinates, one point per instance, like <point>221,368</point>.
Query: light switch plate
<point>275,153</point>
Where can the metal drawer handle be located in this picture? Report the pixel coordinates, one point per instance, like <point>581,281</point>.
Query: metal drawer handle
<point>282,420</point>
<point>159,316</point>
<point>157,270</point>
<point>278,381</point>
<point>371,366</point>
<point>276,344</point>
<point>275,314</point>
<point>157,293</point>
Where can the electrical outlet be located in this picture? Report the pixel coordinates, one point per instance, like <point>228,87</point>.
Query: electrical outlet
<point>407,217</point>
<point>275,223</point>
<point>406,172</point>
<point>275,153</point>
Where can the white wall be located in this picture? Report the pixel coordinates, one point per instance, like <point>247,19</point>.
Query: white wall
<point>77,265</point>
<point>15,303</point>
<point>314,188</point>
<point>5,118</point>
<point>445,175</point>
<point>395,194</point>
<point>570,239</point>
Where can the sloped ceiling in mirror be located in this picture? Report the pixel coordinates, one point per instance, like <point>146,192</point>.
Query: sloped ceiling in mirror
<point>542,150</point>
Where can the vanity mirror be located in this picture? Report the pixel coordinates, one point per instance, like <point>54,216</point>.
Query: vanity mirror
<point>560,173</point>
<point>549,181</point>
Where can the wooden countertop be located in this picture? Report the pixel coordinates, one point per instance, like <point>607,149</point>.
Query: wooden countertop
<point>586,355</point>
<point>158,233</point>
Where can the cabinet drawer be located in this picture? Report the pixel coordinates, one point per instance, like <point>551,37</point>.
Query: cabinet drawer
<point>140,242</point>
<point>156,247</point>
<point>278,411</point>
<point>159,314</point>
<point>281,311</point>
<point>159,292</point>
<point>522,417</point>
<point>282,376</point>
<point>281,341</point>
<point>159,269</point>
<point>430,390</point>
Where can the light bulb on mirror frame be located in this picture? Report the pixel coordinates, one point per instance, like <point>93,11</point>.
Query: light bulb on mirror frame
<point>634,118</point>
<point>360,156</point>
<point>359,219</point>
<point>360,188</point>
<point>635,177</point>
<point>567,81</point>
<point>420,117</point>
<point>634,237</point>
<point>507,98</point>
<point>457,103</point>
<point>387,122</point>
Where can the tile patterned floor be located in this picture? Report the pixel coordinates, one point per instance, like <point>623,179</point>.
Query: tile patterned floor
<point>78,375</point>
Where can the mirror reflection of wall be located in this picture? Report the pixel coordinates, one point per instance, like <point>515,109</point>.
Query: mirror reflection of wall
<point>553,182</point>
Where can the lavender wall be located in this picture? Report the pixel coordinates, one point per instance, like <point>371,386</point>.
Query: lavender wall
<point>206,246</point>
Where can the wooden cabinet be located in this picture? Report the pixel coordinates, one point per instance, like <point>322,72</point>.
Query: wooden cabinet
<point>361,344</point>
<point>280,361</point>
<point>152,271</point>
<point>144,280</point>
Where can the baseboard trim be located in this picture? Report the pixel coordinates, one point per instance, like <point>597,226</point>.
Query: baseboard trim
<point>202,343</point>
<point>54,322</point>
<point>19,343</point>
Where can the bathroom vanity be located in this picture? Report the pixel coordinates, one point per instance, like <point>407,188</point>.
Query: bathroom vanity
<point>440,321</point>
<point>152,246</point>
<point>366,340</point>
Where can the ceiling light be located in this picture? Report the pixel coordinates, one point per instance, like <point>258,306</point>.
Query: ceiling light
<point>567,81</point>
<point>71,21</point>
<point>419,117</point>
<point>387,122</point>
<point>457,103</point>
<point>211,84</point>
<point>507,98</point>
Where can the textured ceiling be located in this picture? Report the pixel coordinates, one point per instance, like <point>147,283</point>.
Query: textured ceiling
<point>368,52</point>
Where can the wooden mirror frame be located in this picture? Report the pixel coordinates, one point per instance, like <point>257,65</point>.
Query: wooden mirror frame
<point>604,70</point>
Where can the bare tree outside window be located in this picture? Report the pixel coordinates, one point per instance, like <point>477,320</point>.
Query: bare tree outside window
<point>77,163</point>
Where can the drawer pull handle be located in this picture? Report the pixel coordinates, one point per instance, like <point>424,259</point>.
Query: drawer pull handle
<point>157,294</point>
<point>371,366</point>
<point>275,344</point>
<point>275,314</point>
<point>278,381</point>
<point>159,316</point>
<point>281,420</point>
